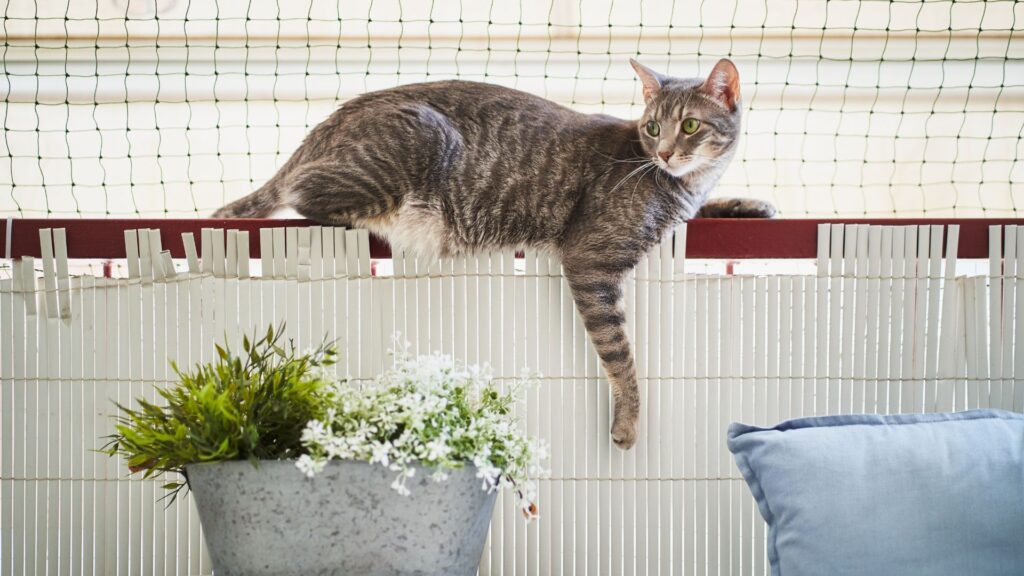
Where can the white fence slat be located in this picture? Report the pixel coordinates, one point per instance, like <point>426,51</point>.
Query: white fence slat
<point>894,334</point>
<point>818,317</point>
<point>949,329</point>
<point>714,422</point>
<point>530,340</point>
<point>725,396</point>
<point>910,271</point>
<point>557,368</point>
<point>981,334</point>
<point>8,432</point>
<point>665,291</point>
<point>63,280</point>
<point>49,272</point>
<point>230,314</point>
<point>932,322</point>
<point>327,284</point>
<point>834,322</point>
<point>65,420</point>
<point>89,516</point>
<point>114,361</point>
<point>243,288</point>
<point>353,289</point>
<point>291,285</point>
<point>873,272</point>
<point>1018,339</point>
<point>650,417</point>
<point>847,302</point>
<point>317,332</point>
<point>855,374</point>
<point>772,306</point>
<point>144,497</point>
<point>799,402</point>
<point>434,306</point>
<point>689,532</point>
<point>167,544</point>
<point>303,287</point>
<point>973,399</point>
<point>419,296</point>
<point>460,287</point>
<point>192,539</point>
<point>369,351</point>
<point>916,383</point>
<point>280,284</point>
<point>993,351</point>
<point>100,399</point>
<point>701,426</point>
<point>884,321</point>
<point>34,440</point>
<point>158,355</point>
<point>639,317</point>
<point>189,240</point>
<point>341,317</point>
<point>1009,305</point>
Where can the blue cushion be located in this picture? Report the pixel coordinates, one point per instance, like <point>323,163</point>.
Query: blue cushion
<point>908,494</point>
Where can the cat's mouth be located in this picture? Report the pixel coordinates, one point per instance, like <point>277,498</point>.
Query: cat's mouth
<point>675,166</point>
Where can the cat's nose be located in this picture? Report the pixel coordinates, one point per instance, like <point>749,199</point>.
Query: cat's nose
<point>665,155</point>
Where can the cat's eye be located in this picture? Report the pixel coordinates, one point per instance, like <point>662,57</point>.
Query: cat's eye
<point>690,125</point>
<point>653,129</point>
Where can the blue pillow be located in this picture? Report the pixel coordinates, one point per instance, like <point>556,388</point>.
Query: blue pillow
<point>908,494</point>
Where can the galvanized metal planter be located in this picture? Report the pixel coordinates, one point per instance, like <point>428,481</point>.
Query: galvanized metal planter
<point>346,520</point>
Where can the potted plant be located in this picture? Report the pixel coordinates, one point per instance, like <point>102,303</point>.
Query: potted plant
<point>297,472</point>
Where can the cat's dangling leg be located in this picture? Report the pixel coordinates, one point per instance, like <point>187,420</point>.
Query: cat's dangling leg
<point>599,300</point>
<point>736,208</point>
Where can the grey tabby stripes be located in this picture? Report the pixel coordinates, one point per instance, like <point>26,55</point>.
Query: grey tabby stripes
<point>451,167</point>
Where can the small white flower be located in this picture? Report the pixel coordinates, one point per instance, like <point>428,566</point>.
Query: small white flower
<point>428,409</point>
<point>437,449</point>
<point>380,452</point>
<point>309,466</point>
<point>399,486</point>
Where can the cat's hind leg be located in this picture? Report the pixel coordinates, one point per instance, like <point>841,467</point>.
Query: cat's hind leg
<point>736,208</point>
<point>339,193</point>
<point>374,162</point>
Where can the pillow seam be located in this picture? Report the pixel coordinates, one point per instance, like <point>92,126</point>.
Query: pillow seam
<point>978,417</point>
<point>754,480</point>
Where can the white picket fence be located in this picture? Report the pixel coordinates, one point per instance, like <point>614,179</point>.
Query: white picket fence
<point>885,325</point>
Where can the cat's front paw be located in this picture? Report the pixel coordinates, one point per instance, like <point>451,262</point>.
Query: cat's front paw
<point>624,432</point>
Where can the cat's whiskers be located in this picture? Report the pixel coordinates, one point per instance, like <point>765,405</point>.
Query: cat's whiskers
<point>636,170</point>
<point>615,160</point>
<point>632,196</point>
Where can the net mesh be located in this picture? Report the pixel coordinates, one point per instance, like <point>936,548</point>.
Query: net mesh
<point>173,107</point>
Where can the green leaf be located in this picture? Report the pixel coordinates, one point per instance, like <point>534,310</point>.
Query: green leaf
<point>244,407</point>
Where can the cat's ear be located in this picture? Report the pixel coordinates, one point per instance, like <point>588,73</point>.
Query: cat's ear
<point>723,84</point>
<point>651,80</point>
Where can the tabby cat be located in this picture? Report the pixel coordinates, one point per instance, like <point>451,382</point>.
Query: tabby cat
<point>450,167</point>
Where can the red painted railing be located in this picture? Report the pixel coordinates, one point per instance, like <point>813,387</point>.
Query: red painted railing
<point>717,238</point>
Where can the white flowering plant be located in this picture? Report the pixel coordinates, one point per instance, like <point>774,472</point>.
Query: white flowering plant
<point>431,411</point>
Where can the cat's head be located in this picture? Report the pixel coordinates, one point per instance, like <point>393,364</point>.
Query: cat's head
<point>690,124</point>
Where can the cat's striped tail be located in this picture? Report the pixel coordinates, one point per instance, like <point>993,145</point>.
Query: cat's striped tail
<point>260,204</point>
